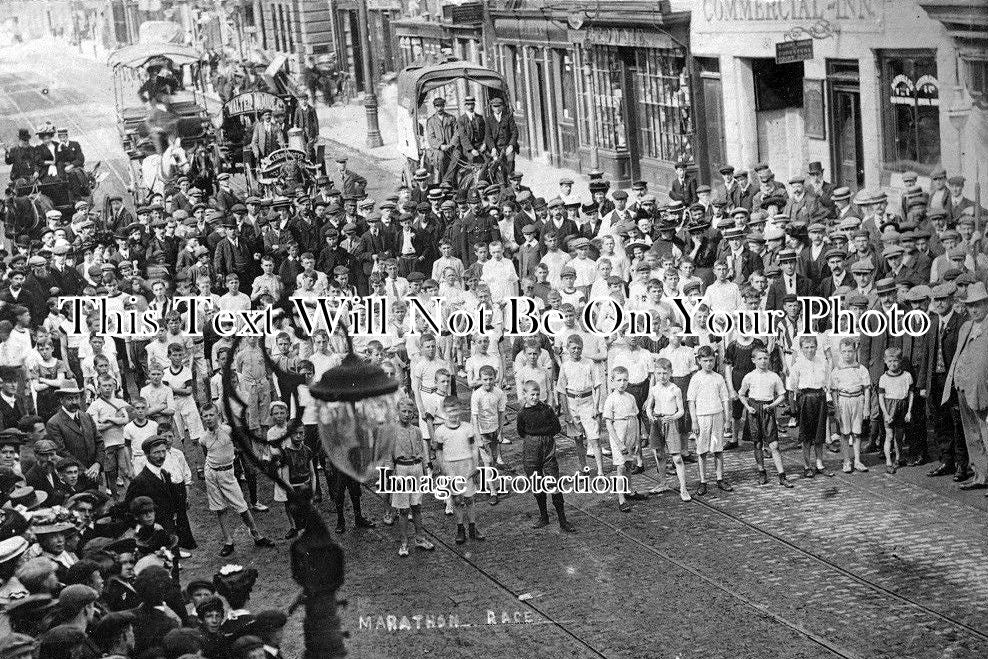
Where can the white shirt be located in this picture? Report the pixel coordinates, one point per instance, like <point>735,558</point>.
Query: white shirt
<point>501,278</point>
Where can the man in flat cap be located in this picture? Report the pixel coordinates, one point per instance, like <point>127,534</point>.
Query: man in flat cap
<point>348,182</point>
<point>266,137</point>
<point>471,131</point>
<point>803,205</point>
<point>957,204</point>
<point>442,135</point>
<point>683,188</point>
<point>156,483</point>
<point>501,139</point>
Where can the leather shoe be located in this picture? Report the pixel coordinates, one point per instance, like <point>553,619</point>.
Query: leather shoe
<point>916,462</point>
<point>942,470</point>
<point>227,550</point>
<point>962,475</point>
<point>973,486</point>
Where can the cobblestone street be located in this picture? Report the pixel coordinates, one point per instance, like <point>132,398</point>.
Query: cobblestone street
<point>856,566</point>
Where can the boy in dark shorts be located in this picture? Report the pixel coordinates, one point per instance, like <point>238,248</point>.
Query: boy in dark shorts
<point>538,426</point>
<point>760,393</point>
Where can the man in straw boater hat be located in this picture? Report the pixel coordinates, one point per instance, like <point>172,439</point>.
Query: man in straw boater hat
<point>968,374</point>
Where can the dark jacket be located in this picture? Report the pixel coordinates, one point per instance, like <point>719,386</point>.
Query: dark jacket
<point>777,291</point>
<point>161,491</point>
<point>501,134</point>
<point>76,437</point>
<point>684,191</point>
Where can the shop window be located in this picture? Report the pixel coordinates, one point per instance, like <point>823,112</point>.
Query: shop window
<point>662,89</point>
<point>976,71</point>
<point>586,96</point>
<point>777,86</point>
<point>567,82</point>
<point>911,111</point>
<point>608,97</point>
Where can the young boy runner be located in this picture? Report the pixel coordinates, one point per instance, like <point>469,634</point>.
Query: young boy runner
<point>222,489</point>
<point>488,405</point>
<point>709,403</point>
<point>808,379</point>
<point>621,417</point>
<point>538,426</point>
<point>458,452</point>
<point>158,395</point>
<point>297,469</point>
<point>408,458</point>
<point>178,376</point>
<point>683,360</point>
<point>137,430</point>
<point>760,393</point>
<point>850,388</point>
<point>579,388</point>
<point>110,415</point>
<point>664,407</point>
<point>895,391</point>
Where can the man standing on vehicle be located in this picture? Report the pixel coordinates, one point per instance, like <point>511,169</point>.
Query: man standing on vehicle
<point>472,131</point>
<point>441,133</point>
<point>502,138</point>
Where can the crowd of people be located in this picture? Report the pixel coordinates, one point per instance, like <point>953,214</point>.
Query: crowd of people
<point>107,438</point>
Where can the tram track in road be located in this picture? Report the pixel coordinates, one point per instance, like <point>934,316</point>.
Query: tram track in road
<point>820,560</point>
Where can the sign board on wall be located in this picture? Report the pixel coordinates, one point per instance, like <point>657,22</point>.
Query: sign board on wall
<point>789,52</point>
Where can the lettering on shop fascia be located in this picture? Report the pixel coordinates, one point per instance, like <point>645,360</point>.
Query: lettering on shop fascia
<point>791,10</point>
<point>625,36</point>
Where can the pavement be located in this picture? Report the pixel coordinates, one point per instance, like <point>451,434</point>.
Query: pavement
<point>861,565</point>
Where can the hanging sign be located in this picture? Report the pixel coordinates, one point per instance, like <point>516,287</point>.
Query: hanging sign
<point>789,52</point>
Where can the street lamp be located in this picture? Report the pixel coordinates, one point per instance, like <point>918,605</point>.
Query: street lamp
<point>370,103</point>
<point>355,403</point>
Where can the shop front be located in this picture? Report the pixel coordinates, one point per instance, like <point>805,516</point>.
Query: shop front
<point>613,92</point>
<point>862,86</point>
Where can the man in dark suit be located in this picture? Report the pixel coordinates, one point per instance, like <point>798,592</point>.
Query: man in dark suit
<point>501,139</point>
<point>303,228</point>
<point>684,187</point>
<point>224,200</point>
<point>233,255</point>
<point>21,157</point>
<point>968,376</point>
<point>349,183</point>
<point>69,151</point>
<point>742,193</point>
<point>42,476</point>
<point>155,483</point>
<point>917,357</point>
<point>812,260</point>
<point>741,261</point>
<point>957,203</point>
<point>471,131</point>
<point>74,432</point>
<point>375,247</point>
<point>946,323</point>
<point>839,276</point>
<point>557,223</point>
<point>119,216</point>
<point>266,137</point>
<point>789,282</point>
<point>821,188</point>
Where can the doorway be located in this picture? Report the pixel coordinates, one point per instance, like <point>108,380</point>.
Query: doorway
<point>543,127</point>
<point>631,83</point>
<point>847,150</point>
